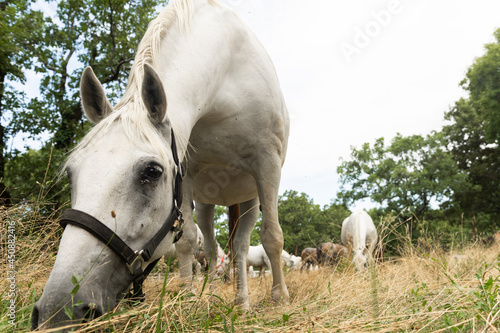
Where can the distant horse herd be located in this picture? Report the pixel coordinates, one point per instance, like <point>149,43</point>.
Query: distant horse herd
<point>358,236</point>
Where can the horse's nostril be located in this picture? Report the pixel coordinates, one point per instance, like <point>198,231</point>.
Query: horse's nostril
<point>34,318</point>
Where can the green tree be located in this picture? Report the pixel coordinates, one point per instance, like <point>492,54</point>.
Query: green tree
<point>305,224</point>
<point>482,81</point>
<point>102,34</point>
<point>473,136</point>
<point>18,29</point>
<point>332,216</point>
<point>412,172</point>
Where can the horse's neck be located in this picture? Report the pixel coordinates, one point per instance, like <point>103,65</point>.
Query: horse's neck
<point>359,233</point>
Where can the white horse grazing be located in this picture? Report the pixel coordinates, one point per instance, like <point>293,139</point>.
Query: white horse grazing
<point>359,235</point>
<point>294,262</point>
<point>203,101</point>
<point>257,258</point>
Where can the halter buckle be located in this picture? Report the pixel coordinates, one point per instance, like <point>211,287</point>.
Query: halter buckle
<point>137,258</point>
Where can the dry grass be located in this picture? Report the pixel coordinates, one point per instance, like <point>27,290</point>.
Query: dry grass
<point>411,293</point>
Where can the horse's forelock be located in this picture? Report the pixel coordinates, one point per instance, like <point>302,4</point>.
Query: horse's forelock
<point>138,128</point>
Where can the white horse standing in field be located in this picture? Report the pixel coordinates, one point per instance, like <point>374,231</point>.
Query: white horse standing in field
<point>203,101</point>
<point>257,258</point>
<point>359,235</point>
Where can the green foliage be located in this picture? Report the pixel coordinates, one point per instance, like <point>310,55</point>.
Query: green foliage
<point>483,83</point>
<point>474,135</point>
<point>305,224</point>
<point>478,157</point>
<point>411,172</point>
<point>102,34</point>
<point>486,296</point>
<point>17,24</point>
<point>33,176</point>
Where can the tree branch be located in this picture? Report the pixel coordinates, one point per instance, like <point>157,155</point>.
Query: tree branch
<point>116,73</point>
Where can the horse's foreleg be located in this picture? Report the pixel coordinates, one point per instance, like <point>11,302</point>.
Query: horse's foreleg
<point>249,214</point>
<point>371,249</point>
<point>186,248</point>
<point>205,219</point>
<point>271,234</point>
<point>187,245</point>
<point>349,250</point>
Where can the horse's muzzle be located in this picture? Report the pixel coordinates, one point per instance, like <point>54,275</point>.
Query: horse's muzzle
<point>45,316</point>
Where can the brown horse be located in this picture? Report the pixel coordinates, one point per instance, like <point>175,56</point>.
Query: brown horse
<point>330,253</point>
<point>309,258</point>
<point>492,240</point>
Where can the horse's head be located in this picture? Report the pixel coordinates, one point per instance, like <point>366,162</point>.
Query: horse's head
<point>359,259</point>
<point>123,175</point>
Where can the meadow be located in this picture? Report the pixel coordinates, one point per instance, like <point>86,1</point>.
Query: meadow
<point>422,289</point>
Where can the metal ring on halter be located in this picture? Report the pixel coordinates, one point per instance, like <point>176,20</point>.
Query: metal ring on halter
<point>139,259</point>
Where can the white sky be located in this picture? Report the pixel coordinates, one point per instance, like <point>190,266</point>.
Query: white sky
<point>403,78</point>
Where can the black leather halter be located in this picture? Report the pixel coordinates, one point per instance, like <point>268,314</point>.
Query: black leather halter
<point>134,260</point>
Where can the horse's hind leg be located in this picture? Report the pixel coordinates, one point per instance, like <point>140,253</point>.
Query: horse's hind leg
<point>249,214</point>
<point>270,234</point>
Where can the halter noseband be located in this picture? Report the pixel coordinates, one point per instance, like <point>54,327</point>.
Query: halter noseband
<point>114,242</point>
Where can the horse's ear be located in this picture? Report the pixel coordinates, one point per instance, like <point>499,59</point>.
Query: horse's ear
<point>153,95</point>
<point>94,101</point>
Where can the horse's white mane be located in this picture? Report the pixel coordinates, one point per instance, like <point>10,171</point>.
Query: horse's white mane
<point>130,110</point>
<point>179,11</point>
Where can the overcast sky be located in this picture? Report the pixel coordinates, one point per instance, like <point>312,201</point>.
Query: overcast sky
<point>353,71</point>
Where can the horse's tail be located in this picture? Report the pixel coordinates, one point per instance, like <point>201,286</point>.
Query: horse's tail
<point>233,218</point>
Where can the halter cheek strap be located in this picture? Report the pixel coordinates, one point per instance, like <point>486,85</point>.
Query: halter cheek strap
<point>134,260</point>
<point>114,242</point>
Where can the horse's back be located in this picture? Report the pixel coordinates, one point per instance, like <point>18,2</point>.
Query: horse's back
<point>255,256</point>
<point>358,225</point>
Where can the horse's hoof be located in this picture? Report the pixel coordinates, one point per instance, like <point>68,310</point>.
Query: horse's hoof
<point>243,303</point>
<point>281,297</point>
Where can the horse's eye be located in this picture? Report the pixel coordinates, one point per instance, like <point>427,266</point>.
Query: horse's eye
<point>152,172</point>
